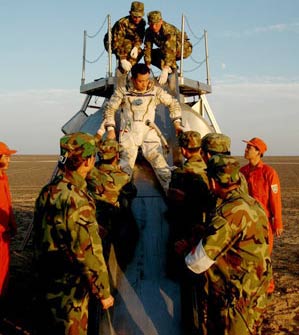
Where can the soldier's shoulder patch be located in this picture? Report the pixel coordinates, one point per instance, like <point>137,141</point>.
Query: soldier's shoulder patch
<point>274,188</point>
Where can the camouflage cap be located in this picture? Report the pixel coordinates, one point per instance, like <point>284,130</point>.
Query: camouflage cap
<point>224,169</point>
<point>108,149</point>
<point>190,140</point>
<point>154,17</point>
<point>215,142</point>
<point>79,143</point>
<point>137,8</point>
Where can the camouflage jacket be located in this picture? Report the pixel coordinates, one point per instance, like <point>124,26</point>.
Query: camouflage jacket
<point>125,31</point>
<point>168,40</point>
<point>112,191</point>
<point>68,247</point>
<point>105,183</point>
<point>237,240</point>
<point>193,181</point>
<point>195,166</point>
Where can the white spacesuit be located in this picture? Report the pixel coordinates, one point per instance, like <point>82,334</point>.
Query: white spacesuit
<point>137,108</point>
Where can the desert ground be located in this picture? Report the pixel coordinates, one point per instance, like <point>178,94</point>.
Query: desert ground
<point>27,174</point>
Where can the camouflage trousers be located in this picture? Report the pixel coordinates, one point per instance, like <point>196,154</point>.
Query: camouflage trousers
<point>236,319</point>
<point>126,49</point>
<point>72,314</point>
<point>64,312</point>
<point>158,55</point>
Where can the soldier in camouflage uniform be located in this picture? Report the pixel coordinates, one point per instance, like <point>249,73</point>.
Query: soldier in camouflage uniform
<point>138,101</point>
<point>168,39</point>
<point>113,192</point>
<point>214,143</point>
<point>68,247</point>
<point>234,255</point>
<point>106,179</point>
<point>127,37</point>
<point>189,198</point>
<point>189,186</point>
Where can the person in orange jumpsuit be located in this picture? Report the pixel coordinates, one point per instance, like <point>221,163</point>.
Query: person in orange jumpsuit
<point>8,226</point>
<point>264,186</point>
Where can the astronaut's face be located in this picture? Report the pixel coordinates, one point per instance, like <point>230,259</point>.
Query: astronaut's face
<point>141,82</point>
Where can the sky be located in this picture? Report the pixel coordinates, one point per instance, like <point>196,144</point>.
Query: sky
<point>253,57</point>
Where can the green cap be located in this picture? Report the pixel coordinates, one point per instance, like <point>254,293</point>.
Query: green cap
<point>108,149</point>
<point>154,17</point>
<point>137,8</point>
<point>224,169</point>
<point>79,143</point>
<point>219,143</point>
<point>190,140</point>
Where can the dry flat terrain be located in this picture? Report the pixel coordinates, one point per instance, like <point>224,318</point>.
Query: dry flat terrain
<point>28,174</point>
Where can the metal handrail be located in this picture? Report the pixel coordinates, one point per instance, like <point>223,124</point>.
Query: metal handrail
<point>182,70</point>
<point>109,47</point>
<point>84,58</point>
<point>182,47</point>
<point>207,57</point>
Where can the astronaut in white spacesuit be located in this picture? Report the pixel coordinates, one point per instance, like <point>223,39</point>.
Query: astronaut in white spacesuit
<point>138,100</point>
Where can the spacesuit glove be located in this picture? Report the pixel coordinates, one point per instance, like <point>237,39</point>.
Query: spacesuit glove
<point>164,75</point>
<point>101,130</point>
<point>134,53</point>
<point>178,128</point>
<point>126,65</point>
<point>111,134</point>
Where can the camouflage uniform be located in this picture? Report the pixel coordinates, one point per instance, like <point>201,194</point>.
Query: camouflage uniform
<point>113,192</point>
<point>137,108</point>
<point>234,255</point>
<point>193,181</point>
<point>106,180</point>
<point>126,35</point>
<point>187,220</point>
<point>68,248</point>
<point>216,143</point>
<point>220,144</point>
<point>168,40</point>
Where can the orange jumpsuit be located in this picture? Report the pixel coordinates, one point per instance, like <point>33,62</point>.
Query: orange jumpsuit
<point>264,186</point>
<point>7,227</point>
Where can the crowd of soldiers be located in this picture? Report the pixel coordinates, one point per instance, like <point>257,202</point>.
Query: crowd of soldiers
<point>220,222</point>
<point>218,236</point>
